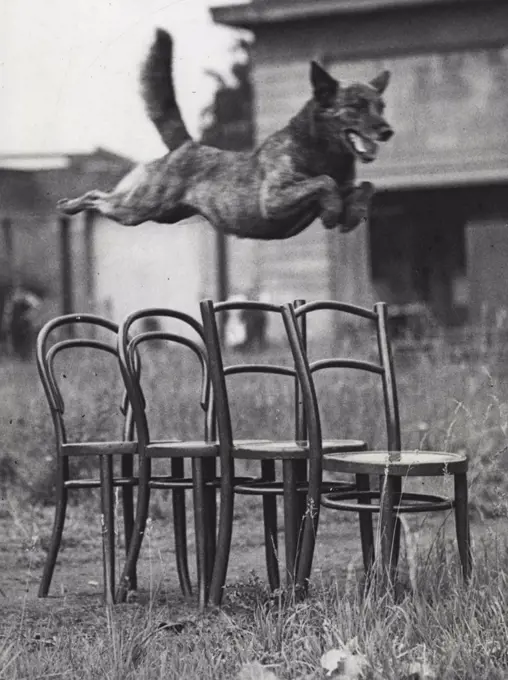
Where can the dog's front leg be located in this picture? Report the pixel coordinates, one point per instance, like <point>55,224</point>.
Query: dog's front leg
<point>290,199</point>
<point>357,202</point>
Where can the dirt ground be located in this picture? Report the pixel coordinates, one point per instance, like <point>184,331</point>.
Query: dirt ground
<point>76,591</point>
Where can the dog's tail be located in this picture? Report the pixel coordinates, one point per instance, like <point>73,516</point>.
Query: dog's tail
<point>158,92</point>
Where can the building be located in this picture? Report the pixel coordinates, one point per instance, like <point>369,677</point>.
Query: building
<point>438,237</point>
<point>30,186</point>
<point>89,263</point>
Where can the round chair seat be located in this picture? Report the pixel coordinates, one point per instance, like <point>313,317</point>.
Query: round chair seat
<point>397,463</point>
<point>281,450</point>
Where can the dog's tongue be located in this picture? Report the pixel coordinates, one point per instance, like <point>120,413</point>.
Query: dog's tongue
<point>358,143</point>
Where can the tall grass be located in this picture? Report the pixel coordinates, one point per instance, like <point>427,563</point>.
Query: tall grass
<point>451,631</point>
<point>446,404</point>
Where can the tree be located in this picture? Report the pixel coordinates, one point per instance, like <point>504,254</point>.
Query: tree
<point>230,126</point>
<point>230,115</point>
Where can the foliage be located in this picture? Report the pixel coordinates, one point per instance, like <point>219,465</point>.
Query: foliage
<point>229,119</point>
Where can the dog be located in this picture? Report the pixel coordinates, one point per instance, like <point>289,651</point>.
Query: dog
<point>300,173</point>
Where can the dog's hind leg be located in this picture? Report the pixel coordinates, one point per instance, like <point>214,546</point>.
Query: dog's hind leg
<point>92,200</point>
<point>110,205</point>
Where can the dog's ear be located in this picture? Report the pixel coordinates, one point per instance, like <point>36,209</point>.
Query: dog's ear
<point>324,86</point>
<point>380,82</point>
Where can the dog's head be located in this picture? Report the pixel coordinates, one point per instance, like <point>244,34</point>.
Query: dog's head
<point>353,114</point>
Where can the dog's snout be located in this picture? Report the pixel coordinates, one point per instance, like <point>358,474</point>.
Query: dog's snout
<point>385,133</point>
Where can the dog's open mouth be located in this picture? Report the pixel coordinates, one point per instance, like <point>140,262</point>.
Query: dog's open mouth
<point>364,148</point>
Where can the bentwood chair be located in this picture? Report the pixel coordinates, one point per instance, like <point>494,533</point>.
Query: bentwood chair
<point>202,453</point>
<point>49,346</point>
<point>392,466</point>
<point>295,455</point>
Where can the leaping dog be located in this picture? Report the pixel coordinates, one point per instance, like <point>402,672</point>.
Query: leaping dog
<point>300,173</point>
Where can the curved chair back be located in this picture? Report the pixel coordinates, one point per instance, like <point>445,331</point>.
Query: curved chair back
<point>218,371</point>
<point>130,361</point>
<point>378,319</point>
<point>48,350</point>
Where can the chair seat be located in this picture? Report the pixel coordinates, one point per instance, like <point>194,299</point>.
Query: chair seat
<point>172,448</point>
<point>100,448</point>
<point>283,450</point>
<point>397,463</point>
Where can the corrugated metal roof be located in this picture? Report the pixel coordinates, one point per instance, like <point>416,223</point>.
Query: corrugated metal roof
<point>261,12</point>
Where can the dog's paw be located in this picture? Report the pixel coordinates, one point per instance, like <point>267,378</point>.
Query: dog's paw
<point>62,205</point>
<point>357,208</point>
<point>356,215</point>
<point>365,191</point>
<point>330,219</point>
<point>332,209</point>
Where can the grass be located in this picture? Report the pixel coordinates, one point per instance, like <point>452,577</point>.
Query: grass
<point>456,632</point>
<point>430,624</point>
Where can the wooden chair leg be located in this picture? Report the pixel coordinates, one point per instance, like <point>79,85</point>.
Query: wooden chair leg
<point>56,539</point>
<point>224,535</point>
<point>307,542</point>
<point>291,523</point>
<point>138,531</point>
<point>366,529</point>
<point>180,529</point>
<point>462,524</point>
<point>386,531</point>
<point>210,474</point>
<point>301,479</point>
<point>270,527</point>
<point>127,471</point>
<point>200,524</point>
<point>108,527</point>
<point>397,487</point>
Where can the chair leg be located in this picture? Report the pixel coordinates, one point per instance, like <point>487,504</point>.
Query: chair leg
<point>462,524</point>
<point>270,527</point>
<point>397,486</point>
<point>56,534</point>
<point>210,474</point>
<point>108,527</point>
<point>301,478</point>
<point>308,534</point>
<point>225,533</point>
<point>291,523</point>
<point>386,531</point>
<point>201,526</point>
<point>138,530</point>
<point>366,529</point>
<point>127,471</point>
<point>180,529</point>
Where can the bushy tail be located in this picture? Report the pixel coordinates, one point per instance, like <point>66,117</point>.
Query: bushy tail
<point>159,94</point>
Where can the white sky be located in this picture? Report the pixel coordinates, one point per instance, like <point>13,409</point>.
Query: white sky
<point>69,71</point>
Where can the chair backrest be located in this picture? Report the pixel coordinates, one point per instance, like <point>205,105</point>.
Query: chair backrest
<point>383,367</point>
<point>219,372</point>
<point>129,343</point>
<point>49,346</point>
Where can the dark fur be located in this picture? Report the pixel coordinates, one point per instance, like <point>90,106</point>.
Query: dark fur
<point>304,171</point>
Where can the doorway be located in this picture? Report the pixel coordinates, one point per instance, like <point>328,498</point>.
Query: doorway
<point>418,254</point>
